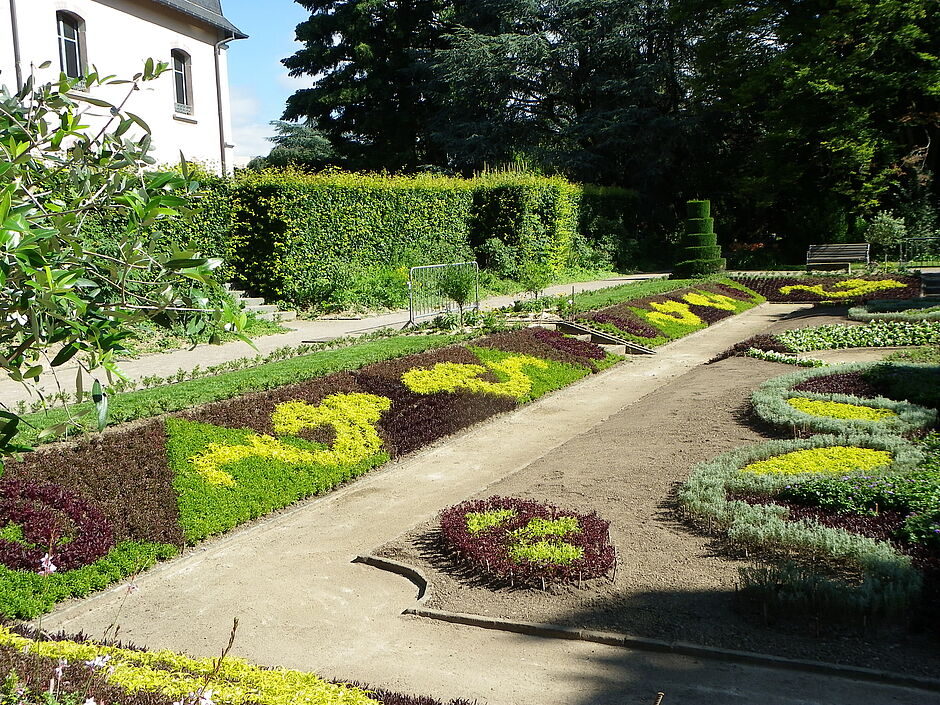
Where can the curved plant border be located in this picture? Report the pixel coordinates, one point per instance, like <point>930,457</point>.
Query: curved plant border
<point>896,310</point>
<point>488,550</point>
<point>769,402</point>
<point>887,574</point>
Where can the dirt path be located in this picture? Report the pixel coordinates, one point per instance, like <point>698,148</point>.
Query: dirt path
<point>302,604</point>
<point>672,583</point>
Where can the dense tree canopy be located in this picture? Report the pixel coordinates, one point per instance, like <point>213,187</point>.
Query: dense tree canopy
<point>799,119</point>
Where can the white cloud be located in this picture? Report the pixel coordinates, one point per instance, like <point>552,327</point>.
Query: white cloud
<point>249,128</point>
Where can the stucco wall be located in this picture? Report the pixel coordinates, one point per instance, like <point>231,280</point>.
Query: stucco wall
<point>119,36</point>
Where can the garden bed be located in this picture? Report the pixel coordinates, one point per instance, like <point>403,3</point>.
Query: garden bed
<point>671,582</point>
<point>657,319</point>
<point>840,288</point>
<point>79,517</point>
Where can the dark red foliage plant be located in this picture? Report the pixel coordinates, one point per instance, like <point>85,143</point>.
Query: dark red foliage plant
<point>546,344</point>
<point>763,341</point>
<point>487,551</point>
<point>853,383</point>
<point>627,321</point>
<point>52,520</point>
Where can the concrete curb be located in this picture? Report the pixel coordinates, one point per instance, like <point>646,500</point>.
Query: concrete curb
<point>681,648</point>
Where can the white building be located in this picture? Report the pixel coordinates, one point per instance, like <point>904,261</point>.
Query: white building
<point>187,108</point>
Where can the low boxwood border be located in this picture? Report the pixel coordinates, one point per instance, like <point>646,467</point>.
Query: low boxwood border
<point>888,579</point>
<point>769,402</point>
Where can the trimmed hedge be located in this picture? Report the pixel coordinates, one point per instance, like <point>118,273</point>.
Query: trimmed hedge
<point>305,238</point>
<point>298,237</point>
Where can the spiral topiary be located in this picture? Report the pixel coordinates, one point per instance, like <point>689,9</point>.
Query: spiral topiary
<point>701,252</point>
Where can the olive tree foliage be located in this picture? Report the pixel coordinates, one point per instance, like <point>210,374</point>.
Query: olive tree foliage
<point>62,299</point>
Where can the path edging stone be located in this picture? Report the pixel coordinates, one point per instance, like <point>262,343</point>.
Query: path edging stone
<point>682,648</point>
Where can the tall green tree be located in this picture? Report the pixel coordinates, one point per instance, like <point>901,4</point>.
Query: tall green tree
<point>828,108</point>
<point>589,88</point>
<point>295,144</point>
<point>372,92</point>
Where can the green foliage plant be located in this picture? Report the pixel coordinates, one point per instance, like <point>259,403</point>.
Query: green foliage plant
<point>871,335</point>
<point>888,310</point>
<point>64,298</point>
<point>545,378</point>
<point>28,594</point>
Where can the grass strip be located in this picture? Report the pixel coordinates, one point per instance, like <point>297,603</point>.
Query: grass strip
<point>590,300</point>
<point>146,403</point>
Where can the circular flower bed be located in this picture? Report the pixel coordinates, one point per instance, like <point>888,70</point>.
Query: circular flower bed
<point>714,491</point>
<point>792,402</point>
<point>37,519</point>
<point>523,541</point>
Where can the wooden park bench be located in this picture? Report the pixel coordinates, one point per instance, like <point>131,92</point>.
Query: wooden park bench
<point>837,254</point>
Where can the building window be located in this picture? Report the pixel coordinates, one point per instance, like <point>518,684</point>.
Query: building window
<point>182,82</point>
<point>71,32</point>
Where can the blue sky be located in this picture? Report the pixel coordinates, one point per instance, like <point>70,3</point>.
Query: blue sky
<point>259,83</point>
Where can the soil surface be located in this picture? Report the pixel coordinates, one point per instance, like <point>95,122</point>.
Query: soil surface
<point>673,582</point>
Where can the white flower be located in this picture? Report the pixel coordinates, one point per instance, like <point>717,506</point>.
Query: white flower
<point>46,566</point>
<point>99,661</point>
<point>17,317</point>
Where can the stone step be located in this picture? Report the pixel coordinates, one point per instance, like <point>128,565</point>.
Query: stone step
<point>586,337</point>
<point>615,349</point>
<point>278,316</point>
<point>262,308</point>
<point>250,301</point>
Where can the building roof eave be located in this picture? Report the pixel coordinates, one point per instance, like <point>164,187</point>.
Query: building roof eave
<point>208,11</point>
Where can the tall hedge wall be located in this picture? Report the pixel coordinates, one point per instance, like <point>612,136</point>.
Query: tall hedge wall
<point>295,234</point>
<point>301,238</point>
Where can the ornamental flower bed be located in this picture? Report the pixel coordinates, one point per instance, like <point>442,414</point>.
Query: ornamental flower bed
<point>791,402</point>
<point>714,496</point>
<point>787,289</point>
<point>878,334</point>
<point>655,320</point>
<point>65,670</point>
<point>103,509</point>
<point>512,541</point>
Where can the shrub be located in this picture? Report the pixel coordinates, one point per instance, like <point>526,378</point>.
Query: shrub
<point>517,540</point>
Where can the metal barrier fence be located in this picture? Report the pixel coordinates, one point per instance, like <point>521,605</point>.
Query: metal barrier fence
<point>424,296</point>
<point>920,250</point>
